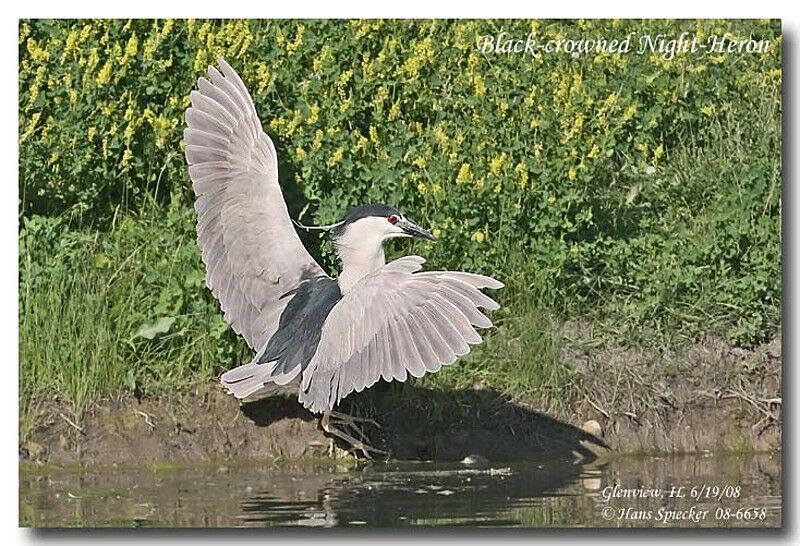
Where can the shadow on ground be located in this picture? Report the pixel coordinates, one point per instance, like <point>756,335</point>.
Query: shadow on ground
<point>419,423</point>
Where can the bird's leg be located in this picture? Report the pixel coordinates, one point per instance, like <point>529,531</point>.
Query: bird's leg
<point>350,421</point>
<point>346,417</point>
<point>343,419</point>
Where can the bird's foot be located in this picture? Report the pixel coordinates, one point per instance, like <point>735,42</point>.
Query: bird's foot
<point>352,419</point>
<point>334,422</point>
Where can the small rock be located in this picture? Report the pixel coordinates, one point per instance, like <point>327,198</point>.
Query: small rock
<point>474,459</point>
<point>593,427</point>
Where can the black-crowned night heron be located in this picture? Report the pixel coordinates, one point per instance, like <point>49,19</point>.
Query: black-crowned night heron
<point>325,337</point>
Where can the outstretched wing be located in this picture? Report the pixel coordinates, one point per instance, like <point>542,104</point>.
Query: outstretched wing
<point>394,322</point>
<point>252,253</point>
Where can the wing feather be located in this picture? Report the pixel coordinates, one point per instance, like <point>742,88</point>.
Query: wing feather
<point>396,322</point>
<point>398,366</point>
<point>252,253</point>
<point>457,319</point>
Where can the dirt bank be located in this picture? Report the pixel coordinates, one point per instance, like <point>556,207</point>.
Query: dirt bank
<point>707,396</point>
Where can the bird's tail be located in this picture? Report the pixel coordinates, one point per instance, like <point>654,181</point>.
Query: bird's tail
<point>245,380</point>
<point>253,378</point>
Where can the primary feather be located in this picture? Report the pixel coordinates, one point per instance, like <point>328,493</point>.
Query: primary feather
<point>251,251</point>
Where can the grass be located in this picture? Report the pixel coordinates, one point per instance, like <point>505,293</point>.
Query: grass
<point>87,305</point>
<point>90,305</point>
<point>521,359</point>
<point>697,252</point>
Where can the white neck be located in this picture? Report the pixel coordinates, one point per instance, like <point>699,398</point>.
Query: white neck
<point>361,253</point>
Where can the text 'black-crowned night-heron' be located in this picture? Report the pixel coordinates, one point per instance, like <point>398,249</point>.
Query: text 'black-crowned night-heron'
<point>326,337</point>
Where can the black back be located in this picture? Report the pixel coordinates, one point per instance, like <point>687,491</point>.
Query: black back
<point>300,326</point>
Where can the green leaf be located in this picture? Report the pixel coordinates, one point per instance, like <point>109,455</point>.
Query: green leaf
<point>151,330</point>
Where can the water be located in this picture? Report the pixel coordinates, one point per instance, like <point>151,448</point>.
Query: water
<point>702,490</point>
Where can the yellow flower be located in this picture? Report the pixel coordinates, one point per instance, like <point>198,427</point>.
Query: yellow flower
<point>132,47</point>
<point>464,174</point>
<point>708,110</point>
<point>313,114</point>
<point>380,95</point>
<point>497,162</point>
<point>479,236</point>
<point>522,171</point>
<point>300,153</point>
<point>437,232</point>
<point>441,136</point>
<point>105,74</point>
<point>24,31</point>
<point>168,24</point>
<point>362,143</point>
<point>37,53</point>
<point>31,126</point>
<point>71,42</point>
<point>422,188</point>
<point>436,189</point>
<point>411,67</point>
<point>572,174</point>
<point>318,136</point>
<point>394,111</point>
<point>126,157</point>
<point>336,157</point>
<point>578,125</point>
<point>298,40</point>
<point>345,77</point>
<point>479,85</point>
<point>294,123</point>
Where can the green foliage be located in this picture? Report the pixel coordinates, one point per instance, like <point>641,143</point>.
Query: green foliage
<point>128,308</point>
<point>640,192</point>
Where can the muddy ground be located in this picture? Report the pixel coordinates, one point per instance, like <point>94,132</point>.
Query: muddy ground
<point>706,397</point>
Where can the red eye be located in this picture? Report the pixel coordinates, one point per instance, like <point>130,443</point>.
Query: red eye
<point>393,219</point>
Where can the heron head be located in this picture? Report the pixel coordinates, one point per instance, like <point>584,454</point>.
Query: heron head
<point>379,221</point>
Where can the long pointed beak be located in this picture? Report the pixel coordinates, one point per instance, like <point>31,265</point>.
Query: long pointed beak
<point>414,230</point>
